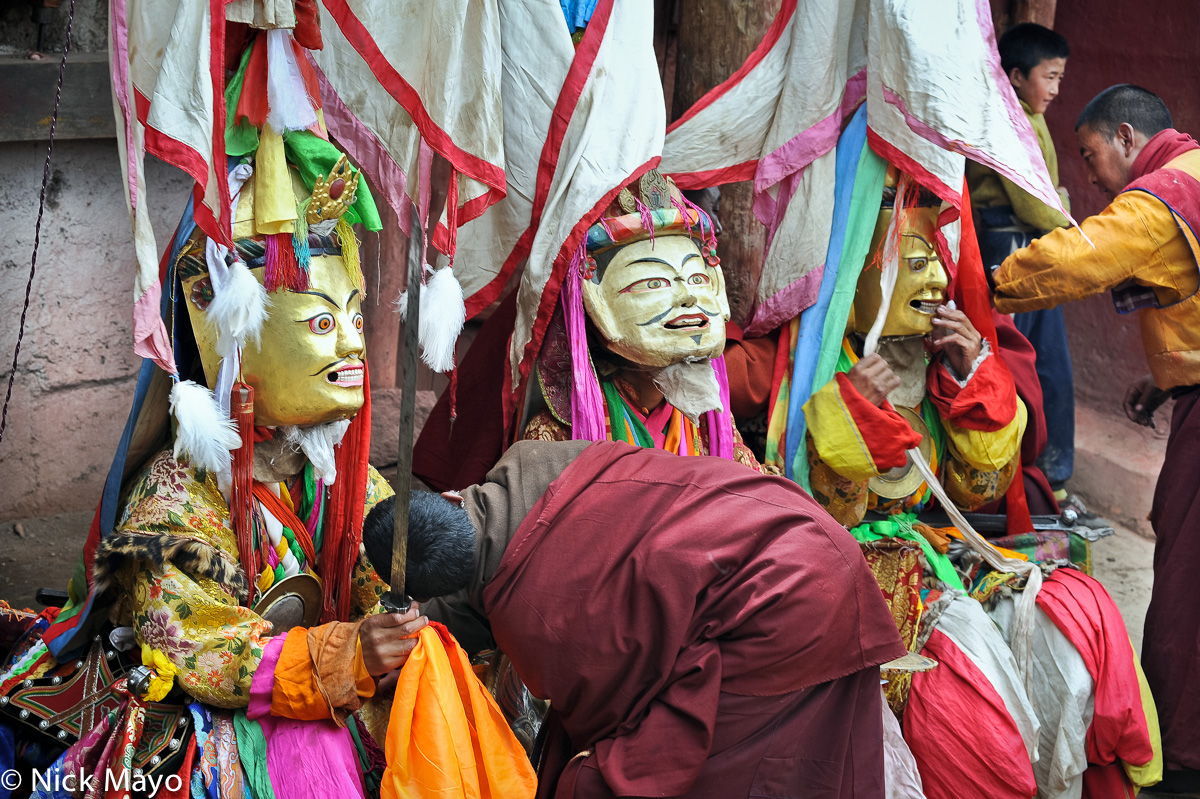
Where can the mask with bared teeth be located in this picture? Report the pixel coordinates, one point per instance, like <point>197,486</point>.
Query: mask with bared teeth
<point>307,367</point>
<point>921,280</point>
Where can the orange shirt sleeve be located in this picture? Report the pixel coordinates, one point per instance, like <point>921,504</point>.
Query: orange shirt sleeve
<point>321,674</point>
<point>1136,238</point>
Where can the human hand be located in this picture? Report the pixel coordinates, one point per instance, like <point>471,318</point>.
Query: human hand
<point>387,639</point>
<point>385,686</point>
<point>1141,400</point>
<point>955,337</point>
<point>873,378</point>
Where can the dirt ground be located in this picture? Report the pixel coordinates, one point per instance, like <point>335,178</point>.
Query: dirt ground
<point>46,554</point>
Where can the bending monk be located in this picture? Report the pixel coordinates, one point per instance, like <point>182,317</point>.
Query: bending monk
<point>699,630</point>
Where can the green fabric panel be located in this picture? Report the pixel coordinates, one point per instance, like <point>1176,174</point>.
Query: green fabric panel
<point>617,413</point>
<point>240,139</point>
<point>314,156</point>
<point>900,525</point>
<point>372,778</point>
<point>864,214</point>
<point>252,751</point>
<point>843,361</point>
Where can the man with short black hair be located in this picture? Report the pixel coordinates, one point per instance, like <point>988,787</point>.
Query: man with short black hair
<point>1008,218</point>
<point>1145,253</point>
<point>700,630</point>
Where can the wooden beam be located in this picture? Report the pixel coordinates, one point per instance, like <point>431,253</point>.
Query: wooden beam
<point>27,96</point>
<point>715,38</point>
<point>1039,11</point>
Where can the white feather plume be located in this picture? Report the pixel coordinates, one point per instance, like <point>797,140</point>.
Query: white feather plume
<point>317,443</point>
<point>237,310</point>
<point>443,313</point>
<point>204,435</point>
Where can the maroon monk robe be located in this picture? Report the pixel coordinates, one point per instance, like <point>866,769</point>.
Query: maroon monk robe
<point>701,629</point>
<point>1171,645</point>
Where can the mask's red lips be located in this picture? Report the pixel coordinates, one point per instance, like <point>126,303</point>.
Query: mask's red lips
<point>696,321</point>
<point>348,376</point>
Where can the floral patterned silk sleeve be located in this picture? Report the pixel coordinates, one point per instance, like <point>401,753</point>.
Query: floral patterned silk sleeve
<point>215,643</point>
<point>177,554</point>
<point>174,553</point>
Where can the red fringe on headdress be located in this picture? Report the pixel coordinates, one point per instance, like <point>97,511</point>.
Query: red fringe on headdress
<point>241,497</point>
<point>344,519</point>
<point>282,268</point>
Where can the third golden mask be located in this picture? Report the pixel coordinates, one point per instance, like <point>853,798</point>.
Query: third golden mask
<point>920,283</point>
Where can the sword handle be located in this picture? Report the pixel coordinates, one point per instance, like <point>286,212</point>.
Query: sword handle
<point>395,603</point>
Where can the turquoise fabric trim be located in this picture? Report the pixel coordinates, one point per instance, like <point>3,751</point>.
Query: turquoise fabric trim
<point>252,751</point>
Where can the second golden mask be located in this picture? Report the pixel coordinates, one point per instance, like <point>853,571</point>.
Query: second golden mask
<point>308,367</point>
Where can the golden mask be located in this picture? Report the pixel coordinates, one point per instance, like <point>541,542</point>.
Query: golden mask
<point>920,283</point>
<point>658,302</point>
<point>309,368</point>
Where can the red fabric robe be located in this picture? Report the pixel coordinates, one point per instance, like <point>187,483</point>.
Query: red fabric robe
<point>659,602</point>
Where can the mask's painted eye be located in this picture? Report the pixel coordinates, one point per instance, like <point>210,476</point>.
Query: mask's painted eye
<point>699,279</point>
<point>321,324</point>
<point>649,284</point>
<point>917,264</point>
<point>358,322</point>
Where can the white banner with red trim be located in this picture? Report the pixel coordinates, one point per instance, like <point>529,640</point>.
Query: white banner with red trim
<point>389,74</point>
<point>607,128</point>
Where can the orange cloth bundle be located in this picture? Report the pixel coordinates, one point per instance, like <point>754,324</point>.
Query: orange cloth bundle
<point>447,737</point>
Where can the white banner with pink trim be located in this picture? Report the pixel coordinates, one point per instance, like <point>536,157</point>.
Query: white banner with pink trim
<point>935,93</point>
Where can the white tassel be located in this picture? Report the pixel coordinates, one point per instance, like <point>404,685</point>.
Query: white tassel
<point>317,443</point>
<point>288,106</point>
<point>238,309</point>
<point>204,436</point>
<point>443,313</point>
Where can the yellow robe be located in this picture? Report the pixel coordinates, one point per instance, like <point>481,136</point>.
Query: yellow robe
<point>1137,239</point>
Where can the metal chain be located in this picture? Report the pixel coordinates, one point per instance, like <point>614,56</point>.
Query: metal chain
<point>37,230</point>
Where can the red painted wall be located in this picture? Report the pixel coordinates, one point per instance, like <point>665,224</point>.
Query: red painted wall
<point>1154,44</point>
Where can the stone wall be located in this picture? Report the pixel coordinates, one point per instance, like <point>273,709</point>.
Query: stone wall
<point>76,371</point>
<point>19,33</point>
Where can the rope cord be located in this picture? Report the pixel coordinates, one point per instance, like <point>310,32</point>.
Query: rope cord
<point>37,230</point>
